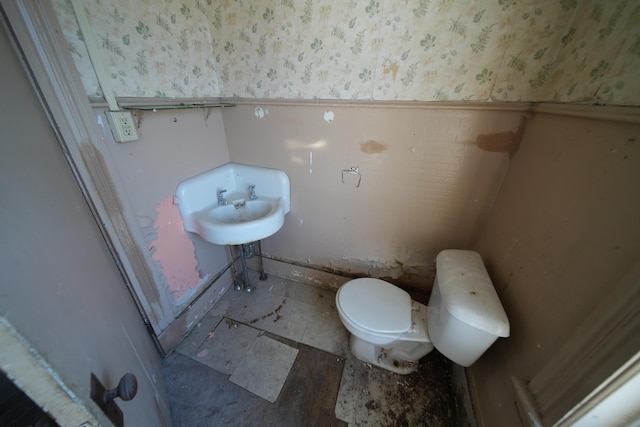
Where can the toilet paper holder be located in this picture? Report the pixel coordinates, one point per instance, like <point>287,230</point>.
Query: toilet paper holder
<point>353,170</point>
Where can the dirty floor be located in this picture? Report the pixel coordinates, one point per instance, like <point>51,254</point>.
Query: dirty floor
<point>279,356</point>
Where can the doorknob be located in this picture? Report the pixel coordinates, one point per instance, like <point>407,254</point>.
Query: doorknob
<point>126,389</point>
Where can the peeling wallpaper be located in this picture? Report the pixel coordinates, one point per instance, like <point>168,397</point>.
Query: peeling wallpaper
<point>425,50</point>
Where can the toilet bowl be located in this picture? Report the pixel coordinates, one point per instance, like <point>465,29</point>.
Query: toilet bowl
<point>387,328</point>
<point>390,330</point>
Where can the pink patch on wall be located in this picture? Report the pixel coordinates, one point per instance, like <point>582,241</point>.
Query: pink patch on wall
<point>174,250</point>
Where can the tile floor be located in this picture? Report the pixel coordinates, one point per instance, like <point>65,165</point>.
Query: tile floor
<point>279,356</point>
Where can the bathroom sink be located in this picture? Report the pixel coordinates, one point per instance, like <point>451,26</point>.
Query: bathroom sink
<point>234,203</point>
<point>243,212</point>
<point>242,221</point>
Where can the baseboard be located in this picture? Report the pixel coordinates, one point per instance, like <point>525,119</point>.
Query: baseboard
<point>180,327</point>
<point>304,274</point>
<point>462,395</point>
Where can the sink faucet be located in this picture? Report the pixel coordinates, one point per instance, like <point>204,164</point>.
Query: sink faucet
<point>221,199</point>
<point>252,192</point>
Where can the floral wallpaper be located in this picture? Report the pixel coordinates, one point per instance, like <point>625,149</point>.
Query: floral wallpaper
<point>425,50</point>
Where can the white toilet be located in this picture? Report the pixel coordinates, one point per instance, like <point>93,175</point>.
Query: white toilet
<point>463,318</point>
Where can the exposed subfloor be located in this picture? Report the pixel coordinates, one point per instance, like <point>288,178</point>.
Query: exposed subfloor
<point>279,356</point>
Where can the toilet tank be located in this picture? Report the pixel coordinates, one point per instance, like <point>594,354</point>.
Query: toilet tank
<point>465,315</point>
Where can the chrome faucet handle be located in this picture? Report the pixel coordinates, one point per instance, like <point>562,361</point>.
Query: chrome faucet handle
<point>221,199</point>
<point>252,192</point>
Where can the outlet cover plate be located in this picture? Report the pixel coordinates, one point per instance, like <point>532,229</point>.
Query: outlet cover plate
<point>122,125</point>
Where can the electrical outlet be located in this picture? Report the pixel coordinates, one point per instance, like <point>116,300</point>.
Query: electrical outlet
<point>122,126</point>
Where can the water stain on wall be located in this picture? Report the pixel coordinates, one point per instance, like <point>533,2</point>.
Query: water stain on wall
<point>413,272</point>
<point>372,147</point>
<point>391,68</point>
<point>502,142</point>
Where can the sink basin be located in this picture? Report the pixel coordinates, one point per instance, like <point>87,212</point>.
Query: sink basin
<point>243,212</point>
<point>239,218</point>
<point>241,222</point>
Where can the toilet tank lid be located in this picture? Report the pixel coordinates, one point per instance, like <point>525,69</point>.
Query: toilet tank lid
<point>375,305</point>
<point>468,293</point>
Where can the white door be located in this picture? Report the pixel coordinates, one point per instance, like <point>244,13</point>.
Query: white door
<point>60,289</point>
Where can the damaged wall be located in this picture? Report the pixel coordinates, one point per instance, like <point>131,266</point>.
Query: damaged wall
<point>173,145</point>
<point>563,232</point>
<point>426,178</point>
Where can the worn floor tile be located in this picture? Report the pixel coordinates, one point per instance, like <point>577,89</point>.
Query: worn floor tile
<point>251,307</point>
<point>246,331</point>
<point>326,332</point>
<point>200,396</point>
<point>302,292</point>
<point>265,368</point>
<point>226,346</point>
<point>326,299</point>
<point>272,313</point>
<point>199,333</point>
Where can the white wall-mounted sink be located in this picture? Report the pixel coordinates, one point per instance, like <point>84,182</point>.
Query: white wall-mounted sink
<point>242,219</point>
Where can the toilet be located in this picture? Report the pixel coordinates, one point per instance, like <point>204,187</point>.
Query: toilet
<point>388,329</point>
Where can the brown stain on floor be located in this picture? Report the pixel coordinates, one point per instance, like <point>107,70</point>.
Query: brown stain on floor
<point>275,312</point>
<point>372,147</point>
<point>422,398</point>
<point>502,142</point>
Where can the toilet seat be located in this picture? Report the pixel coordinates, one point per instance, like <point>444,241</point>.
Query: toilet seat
<point>375,306</point>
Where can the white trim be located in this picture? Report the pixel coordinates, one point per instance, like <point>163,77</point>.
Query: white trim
<point>33,375</point>
<point>94,54</point>
<point>605,340</point>
<point>616,402</point>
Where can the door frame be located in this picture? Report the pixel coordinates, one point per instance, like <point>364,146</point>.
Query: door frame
<point>37,37</point>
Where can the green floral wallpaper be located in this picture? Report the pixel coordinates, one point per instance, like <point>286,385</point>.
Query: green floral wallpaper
<point>426,50</point>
